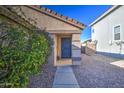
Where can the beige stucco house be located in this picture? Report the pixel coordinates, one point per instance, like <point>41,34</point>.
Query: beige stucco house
<point>65,32</point>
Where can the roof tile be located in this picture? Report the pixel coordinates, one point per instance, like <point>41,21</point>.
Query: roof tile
<point>57,15</point>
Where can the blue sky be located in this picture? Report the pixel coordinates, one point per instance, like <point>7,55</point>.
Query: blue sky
<point>82,13</point>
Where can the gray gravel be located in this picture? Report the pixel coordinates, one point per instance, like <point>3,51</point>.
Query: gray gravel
<point>96,71</point>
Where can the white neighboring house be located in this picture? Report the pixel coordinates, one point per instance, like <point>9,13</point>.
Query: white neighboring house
<point>108,32</point>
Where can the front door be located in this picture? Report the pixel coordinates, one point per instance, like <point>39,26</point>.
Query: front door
<point>65,47</point>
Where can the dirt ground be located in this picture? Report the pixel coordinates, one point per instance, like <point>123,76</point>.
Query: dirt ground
<point>100,71</point>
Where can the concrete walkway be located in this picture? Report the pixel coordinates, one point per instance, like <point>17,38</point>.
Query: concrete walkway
<point>65,78</point>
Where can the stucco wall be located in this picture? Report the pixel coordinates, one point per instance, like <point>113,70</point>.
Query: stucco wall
<point>55,27</point>
<point>76,49</point>
<point>103,32</point>
<point>45,21</point>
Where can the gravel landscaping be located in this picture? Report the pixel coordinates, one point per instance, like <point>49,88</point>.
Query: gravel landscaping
<point>98,71</point>
<point>45,78</point>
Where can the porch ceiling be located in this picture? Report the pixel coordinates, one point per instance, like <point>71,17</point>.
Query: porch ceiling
<point>64,31</point>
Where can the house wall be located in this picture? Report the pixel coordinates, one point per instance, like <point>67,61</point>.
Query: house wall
<point>52,56</point>
<point>4,19</point>
<point>10,22</point>
<point>76,49</point>
<point>44,21</point>
<point>103,33</point>
<point>55,27</point>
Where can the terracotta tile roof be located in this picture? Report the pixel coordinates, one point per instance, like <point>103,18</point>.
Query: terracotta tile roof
<point>58,16</point>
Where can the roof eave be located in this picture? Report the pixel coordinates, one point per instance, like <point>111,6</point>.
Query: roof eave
<point>9,14</point>
<point>105,14</point>
<point>77,24</point>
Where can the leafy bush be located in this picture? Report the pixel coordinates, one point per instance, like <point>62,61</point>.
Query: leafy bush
<point>22,52</point>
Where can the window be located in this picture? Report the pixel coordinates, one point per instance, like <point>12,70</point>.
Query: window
<point>117,32</point>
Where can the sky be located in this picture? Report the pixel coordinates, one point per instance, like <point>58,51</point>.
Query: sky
<point>85,14</point>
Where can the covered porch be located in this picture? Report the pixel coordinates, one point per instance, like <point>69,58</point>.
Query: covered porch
<point>62,49</point>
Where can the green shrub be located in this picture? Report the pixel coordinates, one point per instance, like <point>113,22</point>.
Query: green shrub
<point>22,52</point>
